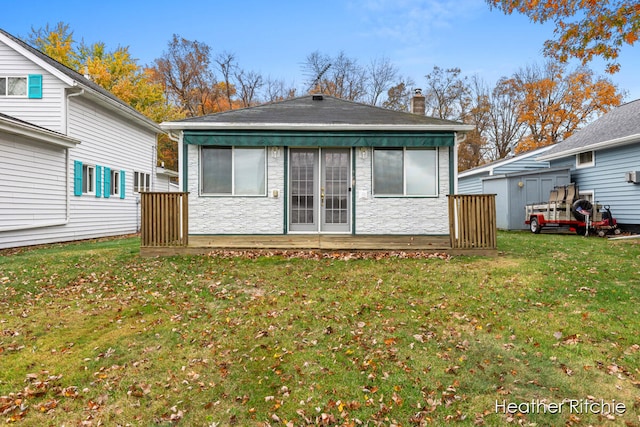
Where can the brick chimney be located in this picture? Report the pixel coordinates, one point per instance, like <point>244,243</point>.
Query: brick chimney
<point>418,102</point>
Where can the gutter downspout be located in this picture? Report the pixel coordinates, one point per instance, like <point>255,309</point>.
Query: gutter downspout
<point>66,110</point>
<point>68,156</point>
<point>458,138</point>
<point>178,140</point>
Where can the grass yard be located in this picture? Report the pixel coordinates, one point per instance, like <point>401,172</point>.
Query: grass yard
<point>545,334</point>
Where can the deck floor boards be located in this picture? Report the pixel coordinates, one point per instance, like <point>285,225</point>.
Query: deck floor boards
<point>333,242</point>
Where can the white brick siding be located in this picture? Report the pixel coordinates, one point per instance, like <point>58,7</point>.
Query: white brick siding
<point>265,215</point>
<point>401,215</point>
<point>236,214</point>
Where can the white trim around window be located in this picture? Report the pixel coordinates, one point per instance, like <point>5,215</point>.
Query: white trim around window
<point>141,181</point>
<point>405,172</point>
<point>585,159</point>
<point>115,182</point>
<point>13,86</point>
<point>588,195</point>
<point>88,179</point>
<point>233,171</point>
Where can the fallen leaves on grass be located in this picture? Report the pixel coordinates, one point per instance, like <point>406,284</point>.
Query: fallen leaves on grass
<point>318,255</point>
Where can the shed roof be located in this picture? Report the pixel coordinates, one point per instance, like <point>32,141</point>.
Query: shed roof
<point>619,126</point>
<point>489,167</point>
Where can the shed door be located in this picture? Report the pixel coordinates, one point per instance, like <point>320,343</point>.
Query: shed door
<point>319,190</point>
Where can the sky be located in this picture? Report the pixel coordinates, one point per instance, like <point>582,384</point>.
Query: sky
<point>274,37</point>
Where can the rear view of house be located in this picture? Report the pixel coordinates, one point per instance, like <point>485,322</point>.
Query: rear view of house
<point>73,157</point>
<point>317,165</point>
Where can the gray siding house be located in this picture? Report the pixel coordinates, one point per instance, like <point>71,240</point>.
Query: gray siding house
<point>73,157</point>
<point>516,181</point>
<point>470,181</point>
<point>604,159</point>
<point>515,190</point>
<point>317,164</point>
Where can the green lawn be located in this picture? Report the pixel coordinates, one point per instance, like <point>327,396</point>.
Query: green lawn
<point>92,334</point>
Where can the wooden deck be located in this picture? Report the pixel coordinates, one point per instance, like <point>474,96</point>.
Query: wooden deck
<point>322,242</point>
<point>165,231</point>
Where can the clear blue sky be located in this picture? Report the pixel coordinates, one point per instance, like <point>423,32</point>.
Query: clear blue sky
<point>274,37</point>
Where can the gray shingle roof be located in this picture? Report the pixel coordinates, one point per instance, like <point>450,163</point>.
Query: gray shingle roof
<point>618,123</point>
<point>309,109</point>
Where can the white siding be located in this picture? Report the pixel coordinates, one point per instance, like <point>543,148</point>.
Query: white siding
<point>47,112</point>
<point>234,214</point>
<point>37,180</point>
<point>33,177</point>
<point>401,215</point>
<point>107,141</point>
<point>163,183</point>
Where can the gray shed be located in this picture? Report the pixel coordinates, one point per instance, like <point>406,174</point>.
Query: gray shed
<point>515,190</point>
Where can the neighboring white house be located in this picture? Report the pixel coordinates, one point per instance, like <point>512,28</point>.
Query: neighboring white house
<point>165,180</point>
<point>73,157</point>
<point>317,164</point>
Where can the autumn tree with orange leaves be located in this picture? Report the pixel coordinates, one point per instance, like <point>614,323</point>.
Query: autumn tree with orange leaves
<point>584,28</point>
<point>553,105</point>
<point>115,71</point>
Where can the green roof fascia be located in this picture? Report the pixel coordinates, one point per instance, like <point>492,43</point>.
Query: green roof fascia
<point>319,139</point>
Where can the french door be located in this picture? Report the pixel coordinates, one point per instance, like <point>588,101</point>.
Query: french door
<point>320,190</point>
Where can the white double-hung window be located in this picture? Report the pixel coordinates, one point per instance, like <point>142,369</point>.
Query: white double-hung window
<point>21,86</point>
<point>233,171</point>
<point>405,172</point>
<point>88,179</point>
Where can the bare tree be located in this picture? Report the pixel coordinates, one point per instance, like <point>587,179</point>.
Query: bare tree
<point>227,65</point>
<point>505,129</point>
<point>184,72</point>
<point>315,68</point>
<point>446,93</point>
<point>248,84</point>
<point>475,110</point>
<point>349,78</point>
<point>340,76</point>
<point>381,76</point>
<point>277,90</point>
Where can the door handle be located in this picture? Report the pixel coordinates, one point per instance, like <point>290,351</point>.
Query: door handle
<point>322,196</point>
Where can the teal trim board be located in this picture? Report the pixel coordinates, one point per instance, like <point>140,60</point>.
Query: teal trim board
<point>246,138</point>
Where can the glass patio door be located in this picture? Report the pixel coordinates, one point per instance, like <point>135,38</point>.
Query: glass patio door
<point>319,190</point>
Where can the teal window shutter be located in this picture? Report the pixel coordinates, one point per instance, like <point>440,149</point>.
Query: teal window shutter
<point>35,86</point>
<point>123,188</point>
<point>77,178</point>
<point>107,182</point>
<point>98,181</point>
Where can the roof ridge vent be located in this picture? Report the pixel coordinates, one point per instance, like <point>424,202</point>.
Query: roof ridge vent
<point>317,97</point>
